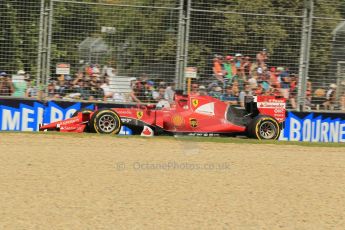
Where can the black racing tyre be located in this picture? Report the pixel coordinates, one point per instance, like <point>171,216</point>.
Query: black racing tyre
<point>105,121</point>
<point>84,110</point>
<point>264,128</point>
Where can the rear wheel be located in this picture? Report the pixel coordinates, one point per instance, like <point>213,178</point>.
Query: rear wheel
<point>105,121</point>
<point>264,128</point>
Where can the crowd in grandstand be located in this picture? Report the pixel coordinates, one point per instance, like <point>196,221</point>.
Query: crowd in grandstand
<point>234,77</point>
<point>237,76</point>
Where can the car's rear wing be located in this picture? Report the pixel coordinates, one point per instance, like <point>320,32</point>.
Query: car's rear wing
<point>266,105</point>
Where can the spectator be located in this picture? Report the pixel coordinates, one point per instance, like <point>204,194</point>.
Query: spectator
<point>51,89</point>
<point>159,93</point>
<point>216,92</point>
<point>342,101</point>
<point>330,97</point>
<point>162,102</point>
<point>144,77</point>
<point>162,84</point>
<point>253,83</point>
<point>109,69</point>
<point>137,92</point>
<point>60,86</point>
<point>229,96</point>
<point>6,85</point>
<point>132,82</point>
<point>247,65</point>
<point>259,90</point>
<point>308,94</point>
<point>318,99</point>
<point>194,90</point>
<point>262,57</point>
<point>236,80</point>
<point>170,92</point>
<point>20,85</point>
<point>202,91</point>
<point>284,83</point>
<point>86,93</point>
<point>97,92</point>
<point>149,92</point>
<point>31,89</point>
<point>78,76</point>
<point>107,91</point>
<point>293,91</point>
<point>239,65</point>
<point>273,79</point>
<point>68,85</point>
<point>264,82</point>
<point>96,72</point>
<point>218,70</point>
<point>276,92</point>
<point>245,92</point>
<point>81,89</point>
<point>228,66</point>
<point>119,97</point>
<point>267,92</point>
<point>235,90</point>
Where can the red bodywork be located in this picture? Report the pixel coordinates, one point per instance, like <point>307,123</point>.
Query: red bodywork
<point>189,114</point>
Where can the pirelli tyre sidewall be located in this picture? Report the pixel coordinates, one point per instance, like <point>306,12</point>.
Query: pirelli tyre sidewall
<point>264,128</point>
<point>105,121</point>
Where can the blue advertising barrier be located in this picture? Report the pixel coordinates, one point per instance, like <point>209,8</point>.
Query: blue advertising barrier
<point>314,127</point>
<point>26,115</point>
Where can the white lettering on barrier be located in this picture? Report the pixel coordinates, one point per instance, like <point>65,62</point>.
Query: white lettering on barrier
<point>9,122</point>
<point>26,119</point>
<point>334,132</point>
<point>282,136</point>
<point>69,113</point>
<point>295,127</point>
<point>55,114</point>
<point>39,117</point>
<point>324,131</point>
<point>306,130</point>
<point>342,133</point>
<point>315,131</point>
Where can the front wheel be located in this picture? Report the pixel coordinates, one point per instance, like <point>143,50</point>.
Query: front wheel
<point>264,128</point>
<point>105,121</point>
<point>84,110</point>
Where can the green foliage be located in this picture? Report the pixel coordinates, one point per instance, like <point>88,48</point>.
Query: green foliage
<point>248,26</point>
<point>13,37</point>
<point>147,36</point>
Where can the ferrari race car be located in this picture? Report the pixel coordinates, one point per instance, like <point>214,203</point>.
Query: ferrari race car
<point>262,118</point>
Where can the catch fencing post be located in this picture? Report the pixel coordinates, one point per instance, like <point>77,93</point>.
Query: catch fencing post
<point>305,54</point>
<point>50,29</point>
<point>186,37</point>
<point>180,47</point>
<point>40,38</point>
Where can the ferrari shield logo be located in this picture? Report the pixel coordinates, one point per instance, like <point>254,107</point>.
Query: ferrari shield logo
<point>193,122</point>
<point>195,102</point>
<point>140,114</point>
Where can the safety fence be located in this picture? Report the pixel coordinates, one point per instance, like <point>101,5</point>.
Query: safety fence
<point>141,51</point>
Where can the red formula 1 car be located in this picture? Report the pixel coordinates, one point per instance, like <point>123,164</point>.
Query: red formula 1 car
<point>262,118</point>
